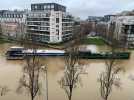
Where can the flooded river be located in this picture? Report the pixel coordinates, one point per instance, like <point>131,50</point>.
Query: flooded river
<point>11,71</point>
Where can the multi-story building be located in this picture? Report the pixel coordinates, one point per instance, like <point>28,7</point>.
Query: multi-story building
<point>107,18</point>
<point>94,18</point>
<point>49,22</point>
<point>12,22</point>
<point>124,30</point>
<point>13,16</point>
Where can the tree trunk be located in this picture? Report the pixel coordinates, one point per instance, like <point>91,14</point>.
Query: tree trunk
<point>70,96</point>
<point>106,98</point>
<point>32,98</point>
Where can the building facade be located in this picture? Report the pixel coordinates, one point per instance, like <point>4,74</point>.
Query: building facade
<point>13,22</point>
<point>94,19</point>
<point>49,22</point>
<point>13,16</point>
<point>124,30</point>
<point>107,18</point>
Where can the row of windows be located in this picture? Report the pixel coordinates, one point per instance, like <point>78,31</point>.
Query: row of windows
<point>130,35</point>
<point>42,7</point>
<point>66,37</point>
<point>40,15</point>
<point>44,28</point>
<point>38,19</point>
<point>38,28</point>
<point>129,31</point>
<point>130,39</point>
<point>39,38</point>
<point>45,24</point>
<point>12,16</point>
<point>67,28</point>
<point>11,20</point>
<point>67,20</point>
<point>48,7</point>
<point>48,28</point>
<point>38,32</point>
<point>39,23</point>
<point>33,27</point>
<point>67,16</point>
<point>67,24</point>
<point>67,32</point>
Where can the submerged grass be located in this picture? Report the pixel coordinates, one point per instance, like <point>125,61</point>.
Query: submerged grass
<point>93,40</point>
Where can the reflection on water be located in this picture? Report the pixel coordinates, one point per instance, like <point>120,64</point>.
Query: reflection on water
<point>10,72</point>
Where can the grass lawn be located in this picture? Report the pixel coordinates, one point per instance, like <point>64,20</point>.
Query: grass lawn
<point>3,40</point>
<point>95,41</point>
<point>131,49</point>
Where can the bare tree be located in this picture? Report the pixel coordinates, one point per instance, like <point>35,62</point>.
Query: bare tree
<point>108,78</point>
<point>73,69</point>
<point>80,31</point>
<point>31,73</point>
<point>101,28</point>
<point>21,30</point>
<point>87,27</point>
<point>72,72</point>
<point>4,90</point>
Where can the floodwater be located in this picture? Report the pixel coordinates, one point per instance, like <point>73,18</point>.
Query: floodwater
<point>11,71</point>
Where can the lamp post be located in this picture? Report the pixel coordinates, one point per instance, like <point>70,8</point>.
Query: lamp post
<point>46,80</point>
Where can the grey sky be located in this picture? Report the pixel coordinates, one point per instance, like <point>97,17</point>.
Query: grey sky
<point>81,8</point>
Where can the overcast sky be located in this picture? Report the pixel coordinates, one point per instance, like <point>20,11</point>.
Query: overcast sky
<point>80,8</point>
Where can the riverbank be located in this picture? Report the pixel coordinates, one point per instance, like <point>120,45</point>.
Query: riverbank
<point>86,41</point>
<point>3,40</point>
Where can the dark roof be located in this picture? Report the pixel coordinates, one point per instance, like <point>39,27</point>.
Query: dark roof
<point>47,4</point>
<point>11,12</point>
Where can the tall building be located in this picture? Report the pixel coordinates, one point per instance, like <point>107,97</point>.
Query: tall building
<point>107,18</point>
<point>124,30</point>
<point>49,22</point>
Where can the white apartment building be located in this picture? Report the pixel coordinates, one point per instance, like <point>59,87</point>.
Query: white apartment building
<point>124,30</point>
<point>49,22</point>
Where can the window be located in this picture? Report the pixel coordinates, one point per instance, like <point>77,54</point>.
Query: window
<point>42,7</point>
<point>52,6</point>
<point>47,15</point>
<point>57,20</point>
<point>57,26</point>
<point>7,15</point>
<point>48,6</point>
<point>45,7</point>
<point>57,32</point>
<point>35,7</point>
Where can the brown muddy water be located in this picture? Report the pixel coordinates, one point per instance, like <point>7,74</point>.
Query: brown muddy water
<point>11,71</point>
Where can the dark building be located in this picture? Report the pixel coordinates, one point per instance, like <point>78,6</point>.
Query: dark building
<point>48,6</point>
<point>94,18</point>
<point>108,17</point>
